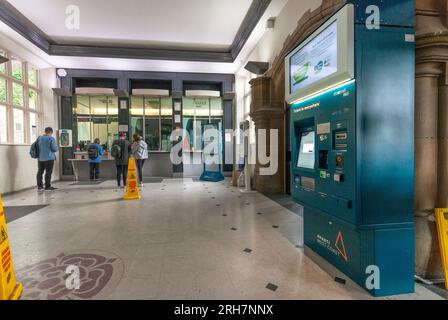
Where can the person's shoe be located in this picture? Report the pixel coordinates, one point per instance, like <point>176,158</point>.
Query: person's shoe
<point>51,189</point>
<point>40,189</point>
<point>121,187</point>
<point>140,184</point>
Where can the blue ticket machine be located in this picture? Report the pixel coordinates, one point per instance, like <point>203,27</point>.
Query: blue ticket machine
<point>350,85</point>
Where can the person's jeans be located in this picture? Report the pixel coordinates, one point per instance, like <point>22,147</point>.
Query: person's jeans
<point>94,171</point>
<point>140,164</point>
<point>47,167</point>
<point>122,170</point>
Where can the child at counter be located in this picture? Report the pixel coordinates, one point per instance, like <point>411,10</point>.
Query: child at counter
<point>95,153</point>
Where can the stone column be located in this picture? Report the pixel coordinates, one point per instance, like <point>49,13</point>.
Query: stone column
<point>427,257</point>
<point>442,141</point>
<point>267,115</point>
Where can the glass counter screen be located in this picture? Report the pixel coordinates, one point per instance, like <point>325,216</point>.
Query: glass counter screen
<point>306,157</point>
<point>316,60</point>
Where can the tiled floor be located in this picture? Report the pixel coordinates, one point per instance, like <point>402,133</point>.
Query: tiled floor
<point>182,240</point>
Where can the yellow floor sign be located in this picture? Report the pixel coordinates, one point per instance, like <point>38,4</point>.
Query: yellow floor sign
<point>9,288</point>
<point>442,227</point>
<point>132,191</point>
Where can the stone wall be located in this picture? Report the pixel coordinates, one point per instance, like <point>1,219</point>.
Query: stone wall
<point>431,131</point>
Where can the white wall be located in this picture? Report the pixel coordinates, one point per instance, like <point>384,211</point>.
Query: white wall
<point>266,50</point>
<point>17,169</point>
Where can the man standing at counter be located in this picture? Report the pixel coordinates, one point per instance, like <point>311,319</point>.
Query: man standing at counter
<point>47,147</point>
<point>120,150</point>
<point>95,152</point>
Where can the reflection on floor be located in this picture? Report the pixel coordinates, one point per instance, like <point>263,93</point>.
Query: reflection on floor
<point>183,240</point>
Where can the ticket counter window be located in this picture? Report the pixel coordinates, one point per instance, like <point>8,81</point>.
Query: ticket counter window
<point>198,112</point>
<point>152,118</point>
<point>96,117</point>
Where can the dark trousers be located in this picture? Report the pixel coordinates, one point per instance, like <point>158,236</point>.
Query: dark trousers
<point>140,164</point>
<point>47,167</point>
<point>94,171</point>
<point>122,170</point>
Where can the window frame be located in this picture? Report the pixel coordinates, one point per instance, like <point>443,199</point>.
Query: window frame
<point>144,116</point>
<point>10,106</point>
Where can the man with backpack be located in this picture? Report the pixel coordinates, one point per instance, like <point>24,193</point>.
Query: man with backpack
<point>44,149</point>
<point>120,150</point>
<point>95,153</point>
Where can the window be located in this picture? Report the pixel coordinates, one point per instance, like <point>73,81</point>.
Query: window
<point>19,130</point>
<point>3,126</point>
<point>3,95</point>
<point>20,109</point>
<point>152,118</point>
<point>196,113</point>
<point>17,69</point>
<point>96,117</point>
<point>17,94</point>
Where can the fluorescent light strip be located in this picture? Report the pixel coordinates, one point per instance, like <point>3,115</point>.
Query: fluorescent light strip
<point>315,94</point>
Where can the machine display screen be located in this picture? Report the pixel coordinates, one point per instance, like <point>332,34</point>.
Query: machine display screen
<point>317,60</point>
<point>306,157</point>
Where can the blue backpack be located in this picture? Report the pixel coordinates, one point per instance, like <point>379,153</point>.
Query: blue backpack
<point>34,150</point>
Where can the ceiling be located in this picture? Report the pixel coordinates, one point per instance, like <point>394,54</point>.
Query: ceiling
<point>190,34</point>
<point>185,24</point>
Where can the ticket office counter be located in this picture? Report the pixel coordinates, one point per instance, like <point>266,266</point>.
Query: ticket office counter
<point>158,165</point>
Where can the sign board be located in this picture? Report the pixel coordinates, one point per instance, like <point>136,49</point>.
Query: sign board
<point>442,227</point>
<point>123,128</point>
<point>65,138</point>
<point>9,288</point>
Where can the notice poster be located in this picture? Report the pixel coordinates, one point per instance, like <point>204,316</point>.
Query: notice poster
<point>317,60</point>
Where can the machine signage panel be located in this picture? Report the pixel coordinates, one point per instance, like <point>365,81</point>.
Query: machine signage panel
<point>316,60</point>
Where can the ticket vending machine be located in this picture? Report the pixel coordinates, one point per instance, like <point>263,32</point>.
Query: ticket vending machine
<point>350,86</point>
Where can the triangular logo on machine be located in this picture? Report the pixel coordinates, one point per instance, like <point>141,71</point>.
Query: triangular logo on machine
<point>340,241</point>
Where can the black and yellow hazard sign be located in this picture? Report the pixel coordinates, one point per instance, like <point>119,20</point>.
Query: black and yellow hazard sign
<point>442,229</point>
<point>132,191</point>
<point>9,288</point>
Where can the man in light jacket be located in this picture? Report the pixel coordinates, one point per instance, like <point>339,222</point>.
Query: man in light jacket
<point>47,156</point>
<point>140,153</point>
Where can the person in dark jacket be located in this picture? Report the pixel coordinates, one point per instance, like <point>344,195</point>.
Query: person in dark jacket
<point>121,150</point>
<point>95,153</point>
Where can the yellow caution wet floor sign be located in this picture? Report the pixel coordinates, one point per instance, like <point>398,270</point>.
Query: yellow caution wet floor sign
<point>442,227</point>
<point>9,288</point>
<point>132,191</point>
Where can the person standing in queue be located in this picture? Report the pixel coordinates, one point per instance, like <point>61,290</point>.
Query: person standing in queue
<point>95,152</point>
<point>120,150</point>
<point>47,148</point>
<point>140,153</point>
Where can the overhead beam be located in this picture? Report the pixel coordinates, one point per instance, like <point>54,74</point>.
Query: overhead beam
<point>253,16</point>
<point>139,53</point>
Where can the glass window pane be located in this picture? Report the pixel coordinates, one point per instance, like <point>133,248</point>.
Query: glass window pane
<point>19,130</point>
<point>17,94</point>
<point>33,127</point>
<point>112,134</point>
<point>32,94</point>
<point>202,107</point>
<point>17,69</point>
<point>99,127</point>
<point>152,107</point>
<point>32,76</point>
<point>137,106</point>
<point>3,95</point>
<point>188,122</point>
<point>98,105</point>
<point>152,135</point>
<point>166,107</point>
<point>3,125</point>
<point>82,105</point>
<point>167,128</point>
<point>113,106</point>
<point>3,65</point>
<point>84,132</point>
<point>216,107</point>
<point>137,126</point>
